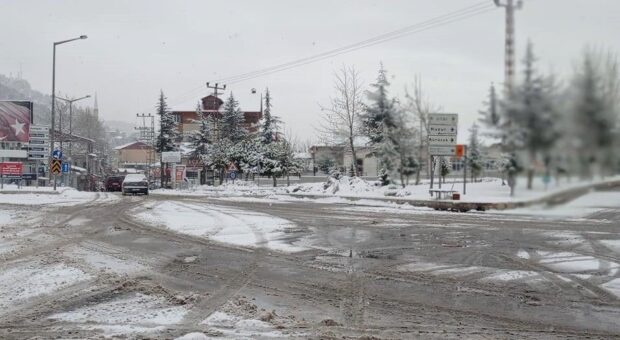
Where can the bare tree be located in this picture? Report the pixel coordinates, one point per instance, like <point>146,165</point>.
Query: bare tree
<point>421,106</point>
<point>342,118</point>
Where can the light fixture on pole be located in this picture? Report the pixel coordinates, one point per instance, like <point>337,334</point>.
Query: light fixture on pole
<point>70,101</point>
<point>54,96</point>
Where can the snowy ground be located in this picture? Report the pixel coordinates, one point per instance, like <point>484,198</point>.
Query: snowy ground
<point>221,224</point>
<point>81,268</point>
<point>64,196</point>
<point>581,207</point>
<point>485,190</point>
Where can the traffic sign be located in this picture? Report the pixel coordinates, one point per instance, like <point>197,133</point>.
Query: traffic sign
<point>66,167</point>
<point>57,154</point>
<point>56,166</point>
<point>441,130</point>
<point>443,119</point>
<point>232,167</point>
<point>460,150</point>
<point>442,150</point>
<point>442,140</point>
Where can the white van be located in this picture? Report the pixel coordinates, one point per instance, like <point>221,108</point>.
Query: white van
<point>135,184</point>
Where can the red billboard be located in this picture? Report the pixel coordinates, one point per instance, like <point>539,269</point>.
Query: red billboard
<point>11,169</point>
<point>15,120</point>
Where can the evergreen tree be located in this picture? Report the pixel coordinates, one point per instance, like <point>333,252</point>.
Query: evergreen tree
<point>168,132</point>
<point>268,130</point>
<point>474,159</point>
<point>444,167</point>
<point>410,166</point>
<point>380,122</point>
<point>379,117</point>
<point>490,115</point>
<point>232,121</point>
<point>530,108</point>
<point>595,114</point>
<point>200,139</point>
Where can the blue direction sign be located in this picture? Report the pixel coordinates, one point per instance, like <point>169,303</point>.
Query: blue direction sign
<point>66,167</point>
<point>57,154</point>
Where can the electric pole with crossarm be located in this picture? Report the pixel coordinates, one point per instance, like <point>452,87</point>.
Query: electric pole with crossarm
<point>510,40</point>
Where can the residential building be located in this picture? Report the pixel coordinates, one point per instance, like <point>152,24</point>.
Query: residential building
<point>189,122</point>
<point>134,155</point>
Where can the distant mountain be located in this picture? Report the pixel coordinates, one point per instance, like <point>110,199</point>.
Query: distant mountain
<point>19,89</point>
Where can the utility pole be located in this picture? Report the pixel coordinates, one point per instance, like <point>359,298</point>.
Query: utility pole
<point>147,136</point>
<point>510,41</point>
<point>216,87</point>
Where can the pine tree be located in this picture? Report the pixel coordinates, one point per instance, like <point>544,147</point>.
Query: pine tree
<point>379,122</point>
<point>474,159</point>
<point>168,132</point>
<point>444,167</point>
<point>595,114</point>
<point>379,116</point>
<point>268,130</point>
<point>490,116</point>
<point>530,108</point>
<point>232,121</point>
<point>200,139</point>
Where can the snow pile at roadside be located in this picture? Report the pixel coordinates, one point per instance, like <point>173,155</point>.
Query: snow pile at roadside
<point>34,279</point>
<point>133,314</point>
<point>64,197</point>
<point>483,190</point>
<point>222,224</point>
<point>345,186</point>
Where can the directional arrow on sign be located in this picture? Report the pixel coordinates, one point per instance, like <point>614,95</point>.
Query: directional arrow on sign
<point>441,140</point>
<point>442,129</point>
<point>56,166</point>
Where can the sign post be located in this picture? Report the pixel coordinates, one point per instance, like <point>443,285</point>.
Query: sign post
<point>443,128</point>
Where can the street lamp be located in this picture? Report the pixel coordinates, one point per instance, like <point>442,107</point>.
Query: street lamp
<point>54,94</point>
<point>70,101</point>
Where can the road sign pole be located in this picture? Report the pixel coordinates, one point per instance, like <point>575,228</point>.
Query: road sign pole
<point>465,170</point>
<point>432,171</point>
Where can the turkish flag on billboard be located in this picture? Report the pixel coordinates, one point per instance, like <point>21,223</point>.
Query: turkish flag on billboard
<point>15,119</point>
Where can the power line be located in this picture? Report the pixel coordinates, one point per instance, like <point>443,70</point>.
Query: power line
<point>264,73</point>
<point>445,19</point>
<point>369,42</point>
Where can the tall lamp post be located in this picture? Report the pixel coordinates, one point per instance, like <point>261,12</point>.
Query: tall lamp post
<point>70,101</point>
<point>54,95</point>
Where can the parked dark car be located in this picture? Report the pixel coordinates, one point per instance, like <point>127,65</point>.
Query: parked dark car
<point>114,183</point>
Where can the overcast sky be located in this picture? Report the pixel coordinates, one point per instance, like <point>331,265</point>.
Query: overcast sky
<point>136,48</point>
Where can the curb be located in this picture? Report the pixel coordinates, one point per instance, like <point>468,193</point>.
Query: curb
<point>551,199</point>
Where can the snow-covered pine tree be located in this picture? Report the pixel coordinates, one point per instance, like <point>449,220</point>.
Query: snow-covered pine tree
<point>379,115</point>
<point>410,167</point>
<point>232,121</point>
<point>445,166</point>
<point>490,115</point>
<point>474,158</point>
<point>379,121</point>
<point>168,132</point>
<point>201,138</point>
<point>530,107</point>
<point>268,128</point>
<point>595,112</point>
